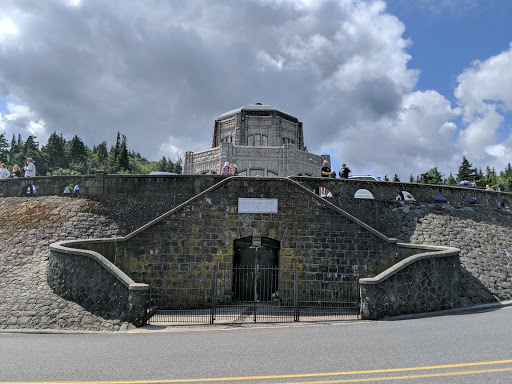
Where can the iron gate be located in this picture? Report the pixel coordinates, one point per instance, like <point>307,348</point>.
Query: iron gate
<point>256,293</point>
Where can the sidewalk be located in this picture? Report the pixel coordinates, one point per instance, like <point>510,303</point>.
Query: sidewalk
<point>239,326</point>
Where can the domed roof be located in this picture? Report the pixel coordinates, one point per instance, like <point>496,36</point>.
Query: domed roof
<point>257,109</point>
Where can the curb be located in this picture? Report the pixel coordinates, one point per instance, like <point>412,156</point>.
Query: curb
<point>477,308</point>
<point>170,328</point>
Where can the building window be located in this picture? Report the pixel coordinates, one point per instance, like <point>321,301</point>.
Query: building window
<point>286,140</point>
<point>271,174</point>
<point>243,173</point>
<point>257,140</point>
<point>227,139</point>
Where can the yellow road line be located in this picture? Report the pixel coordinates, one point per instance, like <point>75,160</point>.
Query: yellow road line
<point>386,378</point>
<point>304,375</point>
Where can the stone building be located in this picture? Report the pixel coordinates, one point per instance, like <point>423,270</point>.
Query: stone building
<point>261,141</point>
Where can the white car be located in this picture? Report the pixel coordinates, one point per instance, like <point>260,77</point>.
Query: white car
<point>365,194</point>
<point>365,178</point>
<point>161,173</point>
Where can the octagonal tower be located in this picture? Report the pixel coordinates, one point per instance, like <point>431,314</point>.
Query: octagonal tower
<point>260,140</point>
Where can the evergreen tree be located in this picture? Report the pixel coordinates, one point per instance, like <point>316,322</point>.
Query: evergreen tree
<point>508,170</point>
<point>123,160</point>
<point>76,151</point>
<point>411,178</point>
<point>4,148</point>
<point>114,154</point>
<point>386,178</point>
<point>162,165</point>
<point>450,180</point>
<point>54,152</point>
<point>396,179</point>
<point>101,153</point>
<point>178,167</point>
<point>14,148</point>
<point>466,172</point>
<point>432,176</point>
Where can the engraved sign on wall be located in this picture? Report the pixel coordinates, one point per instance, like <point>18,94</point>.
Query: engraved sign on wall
<point>250,205</point>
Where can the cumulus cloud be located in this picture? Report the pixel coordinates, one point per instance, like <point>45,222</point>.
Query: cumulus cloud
<point>484,92</point>
<point>415,139</point>
<point>19,119</point>
<point>162,72</point>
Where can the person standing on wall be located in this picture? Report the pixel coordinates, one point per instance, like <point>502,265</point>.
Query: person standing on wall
<point>344,171</point>
<point>225,169</point>
<point>16,171</point>
<point>326,172</point>
<point>4,172</point>
<point>30,169</point>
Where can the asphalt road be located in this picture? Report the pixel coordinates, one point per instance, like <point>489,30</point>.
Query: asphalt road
<point>468,348</point>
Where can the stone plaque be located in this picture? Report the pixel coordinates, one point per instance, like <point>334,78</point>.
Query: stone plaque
<point>248,205</point>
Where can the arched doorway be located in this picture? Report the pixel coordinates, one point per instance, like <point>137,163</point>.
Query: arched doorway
<point>255,269</point>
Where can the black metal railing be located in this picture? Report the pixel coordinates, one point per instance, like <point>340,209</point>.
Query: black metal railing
<point>240,294</point>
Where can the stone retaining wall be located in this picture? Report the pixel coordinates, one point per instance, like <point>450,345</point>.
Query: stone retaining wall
<point>27,227</point>
<point>425,282</point>
<point>89,279</point>
<point>184,245</point>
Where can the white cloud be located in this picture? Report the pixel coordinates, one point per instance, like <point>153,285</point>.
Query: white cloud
<point>272,63</point>
<point>7,27</point>
<point>172,150</point>
<point>19,119</point>
<point>414,140</point>
<point>162,74</point>
<point>484,84</point>
<point>484,92</point>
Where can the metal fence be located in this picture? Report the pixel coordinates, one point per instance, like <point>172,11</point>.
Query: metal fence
<point>240,294</point>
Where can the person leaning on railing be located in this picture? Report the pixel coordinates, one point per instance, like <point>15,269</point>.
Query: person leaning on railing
<point>30,169</point>
<point>4,172</point>
<point>16,171</point>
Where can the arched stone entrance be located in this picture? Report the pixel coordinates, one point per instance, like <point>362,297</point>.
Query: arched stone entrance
<point>255,269</point>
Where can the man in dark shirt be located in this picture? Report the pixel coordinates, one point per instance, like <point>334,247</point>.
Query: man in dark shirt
<point>326,172</point>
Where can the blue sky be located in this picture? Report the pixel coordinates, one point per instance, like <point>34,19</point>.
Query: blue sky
<point>446,38</point>
<point>391,87</point>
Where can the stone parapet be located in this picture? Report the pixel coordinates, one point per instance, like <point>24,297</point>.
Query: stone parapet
<point>89,279</point>
<point>343,192</point>
<point>104,186</point>
<point>424,282</point>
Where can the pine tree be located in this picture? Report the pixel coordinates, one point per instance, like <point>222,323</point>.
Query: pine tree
<point>123,160</point>
<point>178,167</point>
<point>14,147</point>
<point>54,152</point>
<point>466,172</point>
<point>162,164</point>
<point>114,154</point>
<point>4,148</point>
<point>450,180</point>
<point>396,179</point>
<point>432,176</point>
<point>76,151</point>
<point>101,153</point>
